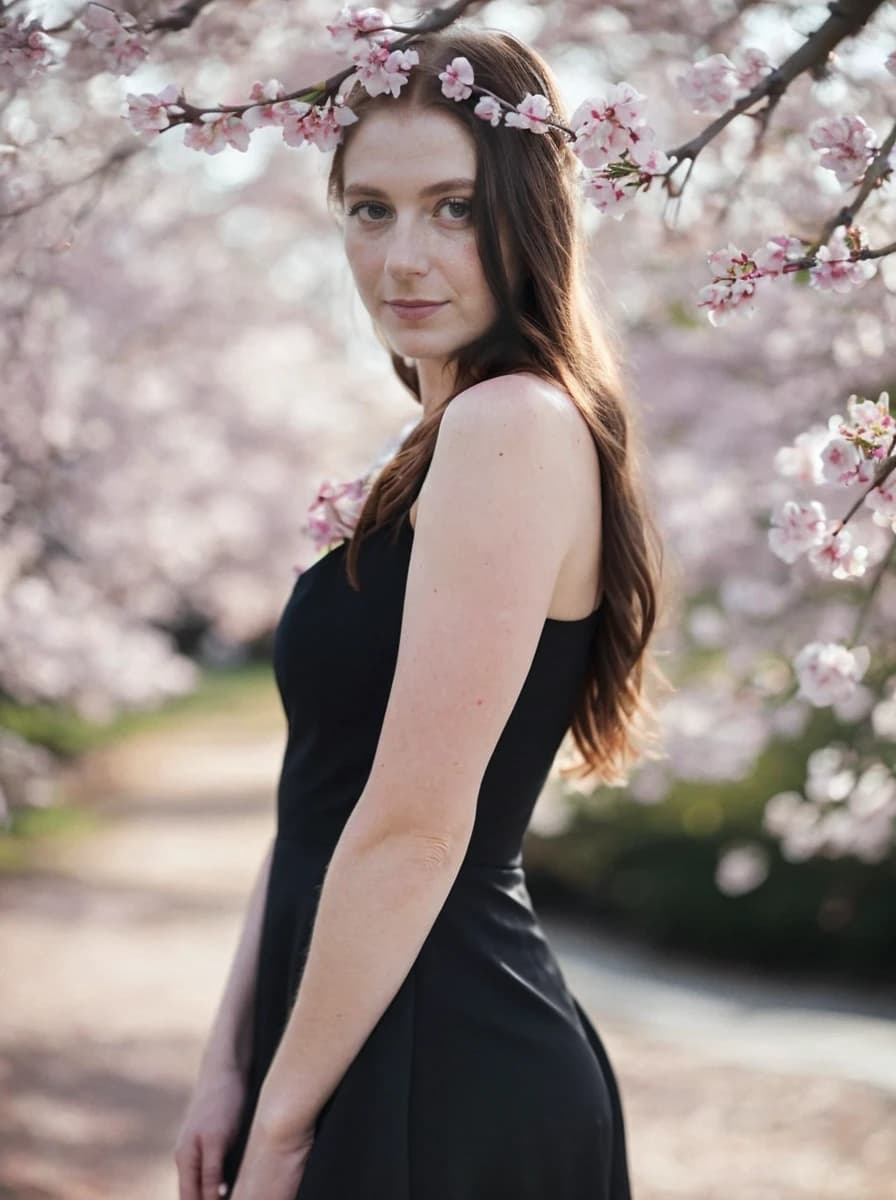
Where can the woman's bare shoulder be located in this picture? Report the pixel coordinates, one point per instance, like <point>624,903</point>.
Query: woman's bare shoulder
<point>517,395</point>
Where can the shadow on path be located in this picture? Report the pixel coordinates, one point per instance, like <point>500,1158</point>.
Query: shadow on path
<point>116,945</point>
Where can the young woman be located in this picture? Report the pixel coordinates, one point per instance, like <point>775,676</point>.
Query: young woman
<point>395,1026</point>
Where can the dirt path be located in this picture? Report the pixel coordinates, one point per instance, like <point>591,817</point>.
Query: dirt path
<point>116,946</point>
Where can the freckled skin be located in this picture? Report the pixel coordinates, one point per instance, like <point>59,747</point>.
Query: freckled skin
<point>403,245</point>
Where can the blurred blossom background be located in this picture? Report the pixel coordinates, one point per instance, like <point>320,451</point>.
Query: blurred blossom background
<point>185,364</point>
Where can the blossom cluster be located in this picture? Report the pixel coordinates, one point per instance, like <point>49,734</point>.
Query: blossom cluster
<point>317,124</point>
<point>25,49</point>
<point>716,82</point>
<point>115,35</point>
<point>851,450</point>
<point>736,273</point>
<point>847,146</point>
<point>609,134</point>
<point>334,512</point>
<point>828,672</point>
<point>842,811</point>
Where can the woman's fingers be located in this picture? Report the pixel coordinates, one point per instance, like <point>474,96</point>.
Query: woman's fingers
<point>189,1168</point>
<point>212,1161</point>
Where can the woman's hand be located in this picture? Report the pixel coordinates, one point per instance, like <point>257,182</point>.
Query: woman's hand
<point>272,1166</point>
<point>210,1124</point>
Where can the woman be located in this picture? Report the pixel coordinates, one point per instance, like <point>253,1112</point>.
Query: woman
<point>499,589</point>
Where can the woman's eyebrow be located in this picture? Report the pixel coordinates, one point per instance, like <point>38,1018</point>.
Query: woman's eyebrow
<point>444,185</point>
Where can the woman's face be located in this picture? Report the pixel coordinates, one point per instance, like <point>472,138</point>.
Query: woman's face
<point>408,232</point>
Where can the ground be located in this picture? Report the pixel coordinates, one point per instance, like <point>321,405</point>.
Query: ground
<point>115,946</point>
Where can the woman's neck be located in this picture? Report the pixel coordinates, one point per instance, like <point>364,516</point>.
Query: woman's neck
<point>436,383</point>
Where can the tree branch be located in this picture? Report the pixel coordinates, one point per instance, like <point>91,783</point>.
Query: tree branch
<point>873,177</point>
<point>115,159</point>
<point>435,18</point>
<point>846,19</point>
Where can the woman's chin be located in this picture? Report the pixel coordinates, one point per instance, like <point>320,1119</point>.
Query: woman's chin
<point>417,344</point>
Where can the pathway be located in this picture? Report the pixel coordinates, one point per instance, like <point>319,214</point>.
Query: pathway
<point>116,945</point>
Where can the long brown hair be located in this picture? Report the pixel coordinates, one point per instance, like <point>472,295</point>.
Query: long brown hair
<point>548,326</point>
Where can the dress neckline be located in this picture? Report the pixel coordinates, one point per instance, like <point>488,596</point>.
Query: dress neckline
<point>572,622</point>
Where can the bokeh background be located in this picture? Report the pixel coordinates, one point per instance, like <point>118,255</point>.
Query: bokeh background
<point>184,362</point>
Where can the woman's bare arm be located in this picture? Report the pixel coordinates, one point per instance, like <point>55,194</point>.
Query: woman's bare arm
<point>488,547</point>
<point>229,1043</point>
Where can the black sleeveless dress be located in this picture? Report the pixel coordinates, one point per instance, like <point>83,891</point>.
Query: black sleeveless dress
<point>484,1078</point>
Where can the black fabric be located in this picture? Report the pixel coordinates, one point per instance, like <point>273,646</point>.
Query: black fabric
<point>484,1079</point>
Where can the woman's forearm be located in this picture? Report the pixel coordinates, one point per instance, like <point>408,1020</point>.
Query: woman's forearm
<point>229,1041</point>
<point>378,902</point>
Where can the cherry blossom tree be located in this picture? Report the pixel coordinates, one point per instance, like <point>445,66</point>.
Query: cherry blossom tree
<point>145,464</point>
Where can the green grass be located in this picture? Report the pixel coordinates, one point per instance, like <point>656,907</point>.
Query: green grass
<point>651,868</point>
<point>33,827</point>
<point>246,692</point>
<point>245,697</point>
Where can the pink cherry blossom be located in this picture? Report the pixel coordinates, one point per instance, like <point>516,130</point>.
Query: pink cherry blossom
<point>772,257</point>
<point>733,288</point>
<point>148,113</point>
<point>324,124</point>
<point>608,195</point>
<point>644,151</point>
<point>860,442</point>
<point>869,424</point>
<point>725,297</point>
<point>25,49</point>
<point>380,69</point>
<point>709,83</point>
<point>456,79</point>
<point>802,460</point>
<point>607,126</point>
<point>214,132</point>
<point>269,107</point>
<point>842,814</point>
<point>625,105</point>
<point>335,510</point>
<point>752,65</point>
<point>122,50</point>
<point>796,528</point>
<point>716,81</point>
<point>839,459</point>
<point>828,672</point>
<point>835,271</point>
<point>599,142</point>
<point>353,22</point>
<point>836,556</point>
<point>847,144</point>
<point>531,113</point>
<point>290,116</point>
<point>489,110</point>
<point>882,502</point>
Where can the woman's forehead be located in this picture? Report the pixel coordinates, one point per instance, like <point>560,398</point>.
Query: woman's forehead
<point>414,147</point>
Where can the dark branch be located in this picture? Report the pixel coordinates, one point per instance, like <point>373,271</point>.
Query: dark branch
<point>846,19</point>
<point>878,167</point>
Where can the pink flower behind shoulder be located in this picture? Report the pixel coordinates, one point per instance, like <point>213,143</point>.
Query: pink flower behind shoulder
<point>334,513</point>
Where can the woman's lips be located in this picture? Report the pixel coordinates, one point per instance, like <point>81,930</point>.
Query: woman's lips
<point>415,311</point>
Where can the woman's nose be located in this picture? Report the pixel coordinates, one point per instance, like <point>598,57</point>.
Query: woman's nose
<point>407,251</point>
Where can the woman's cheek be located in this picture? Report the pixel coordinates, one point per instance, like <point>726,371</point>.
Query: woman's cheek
<point>363,267</point>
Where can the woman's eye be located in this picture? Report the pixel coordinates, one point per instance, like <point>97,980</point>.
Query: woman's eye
<point>364,204</point>
<point>466,206</point>
<point>453,204</point>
